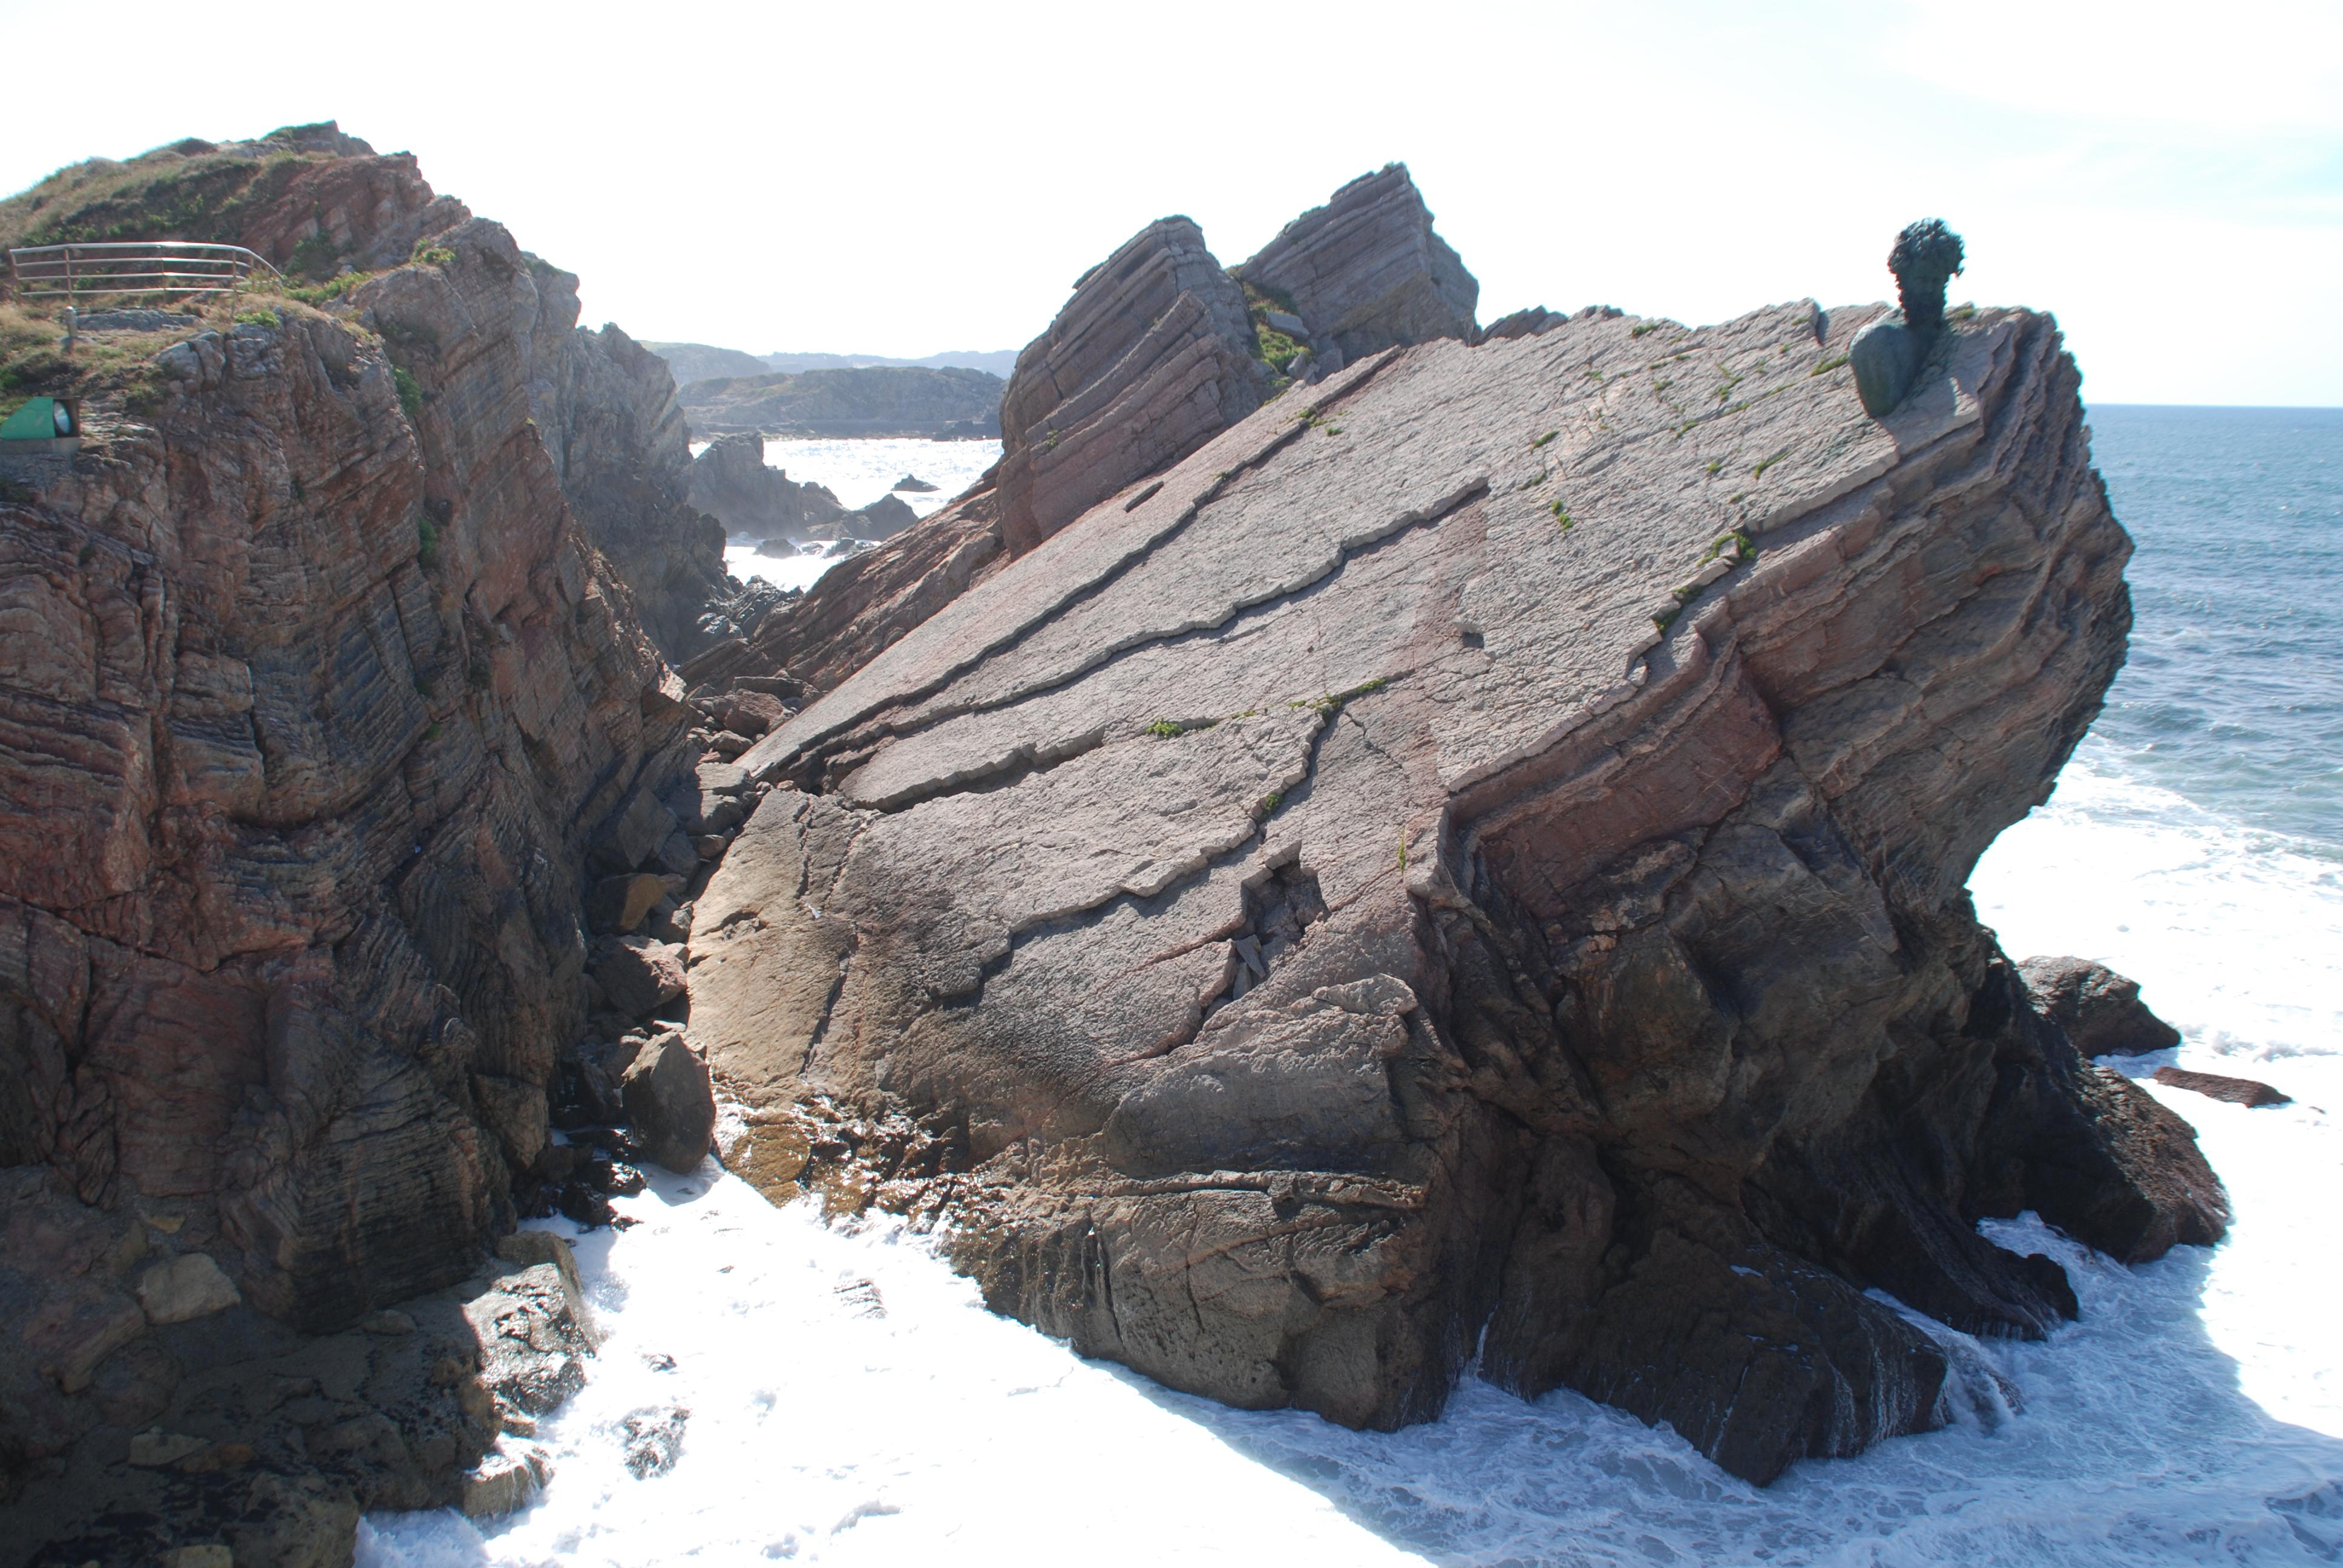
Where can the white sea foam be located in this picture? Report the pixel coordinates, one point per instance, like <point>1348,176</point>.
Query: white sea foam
<point>2194,1414</point>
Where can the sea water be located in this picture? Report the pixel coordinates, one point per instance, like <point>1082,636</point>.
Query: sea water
<point>858,472</point>
<point>852,1403</point>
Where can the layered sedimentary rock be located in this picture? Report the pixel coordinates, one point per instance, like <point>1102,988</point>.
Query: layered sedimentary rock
<point>1365,272</point>
<point>1475,858</point>
<point>314,698</point>
<point>1150,358</point>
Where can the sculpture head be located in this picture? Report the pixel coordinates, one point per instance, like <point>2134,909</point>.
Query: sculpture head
<point>1927,256</point>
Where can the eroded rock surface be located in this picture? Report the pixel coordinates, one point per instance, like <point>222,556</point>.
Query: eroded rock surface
<point>2099,1009</point>
<point>233,1432</point>
<point>1476,857</point>
<point>1150,358</point>
<point>1365,272</point>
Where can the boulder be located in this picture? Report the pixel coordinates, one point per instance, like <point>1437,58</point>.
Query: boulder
<point>751,713</point>
<point>1150,358</point>
<point>913,483</point>
<point>1467,871</point>
<point>189,1286</point>
<point>671,1103</point>
<point>1365,272</point>
<point>616,905</point>
<point>638,974</point>
<point>2099,1009</point>
<point>505,1481</point>
<point>2244,1091</point>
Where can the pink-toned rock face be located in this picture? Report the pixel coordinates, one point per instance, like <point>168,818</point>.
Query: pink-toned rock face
<point>1150,358</point>
<point>307,711</point>
<point>1365,272</point>
<point>1475,858</point>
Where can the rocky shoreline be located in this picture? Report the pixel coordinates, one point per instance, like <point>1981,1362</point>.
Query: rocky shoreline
<point>1363,838</point>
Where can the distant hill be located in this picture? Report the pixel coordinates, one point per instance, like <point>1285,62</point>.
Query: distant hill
<point>701,362</point>
<point>860,400</point>
<point>996,361</point>
<point>692,362</point>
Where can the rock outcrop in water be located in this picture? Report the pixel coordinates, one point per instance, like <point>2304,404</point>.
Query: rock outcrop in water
<point>2099,1009</point>
<point>731,481</point>
<point>1474,860</point>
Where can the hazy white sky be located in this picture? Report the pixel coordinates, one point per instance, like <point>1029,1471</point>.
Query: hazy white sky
<point>905,178</point>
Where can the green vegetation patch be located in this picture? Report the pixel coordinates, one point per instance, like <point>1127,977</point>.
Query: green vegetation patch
<point>410,396</point>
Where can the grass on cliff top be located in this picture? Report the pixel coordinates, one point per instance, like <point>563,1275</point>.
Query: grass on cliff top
<point>105,367</point>
<point>188,190</point>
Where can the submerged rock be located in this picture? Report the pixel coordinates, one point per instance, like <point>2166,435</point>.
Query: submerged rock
<point>2244,1091</point>
<point>1472,860</point>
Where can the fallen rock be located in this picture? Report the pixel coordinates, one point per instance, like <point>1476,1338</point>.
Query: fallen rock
<point>2099,1009</point>
<point>616,905</point>
<point>671,1103</point>
<point>189,1286</point>
<point>505,1481</point>
<point>638,974</point>
<point>1366,272</point>
<point>751,713</point>
<point>914,484</point>
<point>2235,1090</point>
<point>1468,864</point>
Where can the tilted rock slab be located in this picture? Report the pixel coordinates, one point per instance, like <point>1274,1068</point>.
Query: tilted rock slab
<point>1151,358</point>
<point>1366,272</point>
<point>1477,859</point>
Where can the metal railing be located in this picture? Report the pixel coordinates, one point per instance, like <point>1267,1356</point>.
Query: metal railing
<point>131,266</point>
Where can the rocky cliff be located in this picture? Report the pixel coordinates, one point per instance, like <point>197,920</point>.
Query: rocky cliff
<point>1473,857</point>
<point>310,198</point>
<point>317,709</point>
<point>608,411</point>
